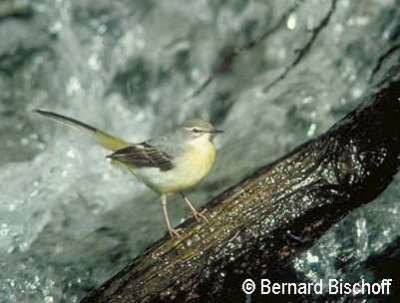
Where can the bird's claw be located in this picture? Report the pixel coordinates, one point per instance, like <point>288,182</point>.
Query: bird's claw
<point>176,233</point>
<point>200,215</point>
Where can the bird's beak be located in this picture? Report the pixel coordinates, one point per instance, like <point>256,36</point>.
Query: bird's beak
<point>217,131</point>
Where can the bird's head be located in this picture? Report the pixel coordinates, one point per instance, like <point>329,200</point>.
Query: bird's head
<point>197,129</point>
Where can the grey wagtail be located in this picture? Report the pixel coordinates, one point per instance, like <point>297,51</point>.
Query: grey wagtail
<point>168,165</point>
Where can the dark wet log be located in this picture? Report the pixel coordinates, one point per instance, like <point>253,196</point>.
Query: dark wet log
<point>385,265</point>
<point>259,224</point>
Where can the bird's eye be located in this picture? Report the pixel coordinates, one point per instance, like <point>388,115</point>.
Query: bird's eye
<point>196,130</point>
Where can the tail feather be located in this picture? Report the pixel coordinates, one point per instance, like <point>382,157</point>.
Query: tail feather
<point>106,140</point>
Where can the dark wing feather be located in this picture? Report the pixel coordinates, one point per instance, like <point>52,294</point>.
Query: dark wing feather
<point>143,155</point>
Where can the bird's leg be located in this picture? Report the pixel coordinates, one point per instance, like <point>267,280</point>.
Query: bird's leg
<point>174,233</point>
<point>197,215</point>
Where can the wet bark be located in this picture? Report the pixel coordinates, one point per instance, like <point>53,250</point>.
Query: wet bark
<point>259,224</point>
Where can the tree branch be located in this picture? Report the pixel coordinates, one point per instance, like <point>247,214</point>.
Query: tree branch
<point>229,55</point>
<point>301,53</point>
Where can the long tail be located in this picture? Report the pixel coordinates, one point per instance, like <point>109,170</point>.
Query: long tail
<point>106,140</point>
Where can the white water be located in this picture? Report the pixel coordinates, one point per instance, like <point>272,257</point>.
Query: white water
<point>68,219</point>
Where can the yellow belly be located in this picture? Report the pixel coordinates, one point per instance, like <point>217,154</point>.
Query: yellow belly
<point>194,166</point>
<point>189,169</point>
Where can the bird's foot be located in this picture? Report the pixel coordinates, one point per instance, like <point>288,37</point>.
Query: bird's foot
<point>175,233</point>
<point>200,215</point>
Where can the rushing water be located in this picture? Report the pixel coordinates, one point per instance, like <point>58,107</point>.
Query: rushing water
<point>69,219</point>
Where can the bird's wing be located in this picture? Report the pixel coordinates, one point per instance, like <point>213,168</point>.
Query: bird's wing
<point>143,155</point>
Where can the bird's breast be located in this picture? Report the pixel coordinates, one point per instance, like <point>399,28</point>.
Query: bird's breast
<point>197,161</point>
<point>190,167</point>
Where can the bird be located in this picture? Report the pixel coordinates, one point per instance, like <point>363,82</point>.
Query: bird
<point>170,164</point>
